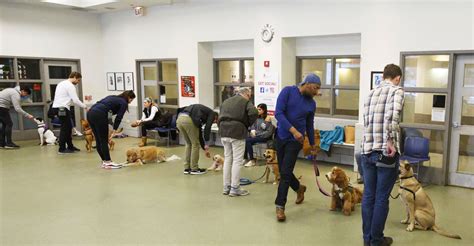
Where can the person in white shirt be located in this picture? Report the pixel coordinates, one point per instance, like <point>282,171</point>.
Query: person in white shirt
<point>150,119</point>
<point>64,95</point>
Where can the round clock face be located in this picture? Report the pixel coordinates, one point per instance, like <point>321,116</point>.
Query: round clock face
<point>267,34</point>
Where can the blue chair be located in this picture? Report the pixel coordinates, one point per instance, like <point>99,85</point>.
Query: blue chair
<point>416,151</point>
<point>55,122</point>
<point>167,130</point>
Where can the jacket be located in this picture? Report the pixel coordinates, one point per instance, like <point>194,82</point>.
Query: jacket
<point>237,114</point>
<point>201,115</point>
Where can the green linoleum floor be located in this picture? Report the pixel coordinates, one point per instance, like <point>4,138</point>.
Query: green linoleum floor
<point>48,199</point>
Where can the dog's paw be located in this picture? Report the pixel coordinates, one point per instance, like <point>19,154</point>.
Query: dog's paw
<point>411,227</point>
<point>405,221</point>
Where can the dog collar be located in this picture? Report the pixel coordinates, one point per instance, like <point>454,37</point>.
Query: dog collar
<point>409,177</point>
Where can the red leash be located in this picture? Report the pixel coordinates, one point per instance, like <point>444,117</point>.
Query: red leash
<point>316,173</point>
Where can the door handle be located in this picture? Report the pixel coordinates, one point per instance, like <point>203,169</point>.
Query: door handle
<point>456,124</point>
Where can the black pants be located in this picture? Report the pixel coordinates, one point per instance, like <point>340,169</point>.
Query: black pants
<point>287,152</point>
<point>6,127</point>
<point>100,127</point>
<point>65,133</point>
<point>147,125</point>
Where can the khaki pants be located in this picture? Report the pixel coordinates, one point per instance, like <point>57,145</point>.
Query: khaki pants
<point>191,135</point>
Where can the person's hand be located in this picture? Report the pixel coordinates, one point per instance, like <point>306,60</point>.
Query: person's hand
<point>253,133</point>
<point>298,136</point>
<point>111,135</point>
<point>208,154</point>
<point>314,150</point>
<point>30,117</point>
<point>390,148</point>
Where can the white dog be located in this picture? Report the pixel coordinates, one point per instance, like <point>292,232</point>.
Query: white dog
<point>217,164</point>
<point>46,136</point>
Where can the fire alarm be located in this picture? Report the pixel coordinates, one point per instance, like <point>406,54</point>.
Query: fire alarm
<point>139,11</point>
<point>266,63</point>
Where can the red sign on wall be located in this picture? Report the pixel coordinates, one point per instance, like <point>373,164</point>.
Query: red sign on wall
<point>188,88</point>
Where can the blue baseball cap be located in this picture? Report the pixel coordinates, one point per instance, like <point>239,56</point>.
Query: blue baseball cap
<point>312,79</point>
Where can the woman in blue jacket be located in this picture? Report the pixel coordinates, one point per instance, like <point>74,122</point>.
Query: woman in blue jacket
<point>98,120</point>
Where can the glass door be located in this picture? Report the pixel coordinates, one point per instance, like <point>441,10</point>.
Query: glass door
<point>461,167</point>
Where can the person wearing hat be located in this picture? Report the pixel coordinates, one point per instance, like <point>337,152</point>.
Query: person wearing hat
<point>150,119</point>
<point>295,115</point>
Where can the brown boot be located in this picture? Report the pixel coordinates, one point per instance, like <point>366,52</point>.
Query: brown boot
<point>143,142</point>
<point>280,212</point>
<point>300,194</point>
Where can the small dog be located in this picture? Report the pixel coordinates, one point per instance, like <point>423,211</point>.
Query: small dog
<point>271,165</point>
<point>142,155</point>
<point>89,136</point>
<point>343,194</point>
<point>46,135</point>
<point>217,164</point>
<point>420,210</point>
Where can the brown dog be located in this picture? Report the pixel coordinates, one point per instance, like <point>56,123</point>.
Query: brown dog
<point>343,194</point>
<point>217,164</point>
<point>271,166</point>
<point>89,136</point>
<point>142,155</point>
<point>420,210</point>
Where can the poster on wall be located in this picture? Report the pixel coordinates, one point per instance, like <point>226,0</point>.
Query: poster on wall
<point>110,81</point>
<point>188,88</point>
<point>128,77</point>
<point>266,91</point>
<point>375,79</point>
<point>119,82</point>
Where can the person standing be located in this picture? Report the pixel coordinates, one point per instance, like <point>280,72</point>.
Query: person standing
<point>382,109</point>
<point>150,119</point>
<point>260,132</point>
<point>11,97</point>
<point>99,122</point>
<point>65,93</point>
<point>236,115</point>
<point>189,123</point>
<point>295,115</point>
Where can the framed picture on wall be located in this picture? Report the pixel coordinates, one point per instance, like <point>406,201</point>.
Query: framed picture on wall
<point>375,79</point>
<point>128,78</point>
<point>111,82</point>
<point>119,82</point>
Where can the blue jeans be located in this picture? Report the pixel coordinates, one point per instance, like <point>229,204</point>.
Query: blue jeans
<point>287,152</point>
<point>378,183</point>
<point>249,142</point>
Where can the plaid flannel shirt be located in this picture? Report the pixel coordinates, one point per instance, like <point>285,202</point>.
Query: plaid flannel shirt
<point>382,109</point>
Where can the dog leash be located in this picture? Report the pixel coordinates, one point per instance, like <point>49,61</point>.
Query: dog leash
<point>316,173</point>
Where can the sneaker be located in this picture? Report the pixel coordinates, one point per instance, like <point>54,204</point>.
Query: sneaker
<point>187,171</point>
<point>251,163</point>
<point>111,165</point>
<point>2,146</point>
<point>74,149</point>
<point>226,191</point>
<point>66,151</point>
<point>78,134</point>
<point>238,192</point>
<point>11,146</point>
<point>199,171</point>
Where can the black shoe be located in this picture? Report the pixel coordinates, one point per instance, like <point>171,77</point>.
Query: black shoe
<point>11,146</point>
<point>2,146</point>
<point>66,151</point>
<point>199,171</point>
<point>187,171</point>
<point>74,149</point>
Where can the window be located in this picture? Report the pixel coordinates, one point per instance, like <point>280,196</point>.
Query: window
<point>230,75</point>
<point>340,77</point>
<point>159,81</point>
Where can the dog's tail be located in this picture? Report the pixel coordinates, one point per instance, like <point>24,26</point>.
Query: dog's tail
<point>444,233</point>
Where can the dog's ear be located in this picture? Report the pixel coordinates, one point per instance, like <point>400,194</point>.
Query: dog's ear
<point>407,166</point>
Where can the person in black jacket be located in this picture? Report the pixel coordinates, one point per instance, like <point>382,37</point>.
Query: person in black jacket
<point>190,121</point>
<point>98,120</point>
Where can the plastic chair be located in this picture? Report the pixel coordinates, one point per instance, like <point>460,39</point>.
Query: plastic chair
<point>167,130</point>
<point>416,151</point>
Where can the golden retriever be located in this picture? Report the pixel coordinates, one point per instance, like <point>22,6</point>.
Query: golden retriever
<point>343,194</point>
<point>142,155</point>
<point>271,165</point>
<point>420,210</point>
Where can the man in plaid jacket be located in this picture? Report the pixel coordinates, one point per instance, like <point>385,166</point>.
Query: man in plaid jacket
<point>382,109</point>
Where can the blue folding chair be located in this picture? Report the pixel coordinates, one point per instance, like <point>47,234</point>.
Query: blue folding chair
<point>167,130</point>
<point>416,151</point>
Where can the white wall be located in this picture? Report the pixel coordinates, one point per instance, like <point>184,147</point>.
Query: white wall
<point>45,32</point>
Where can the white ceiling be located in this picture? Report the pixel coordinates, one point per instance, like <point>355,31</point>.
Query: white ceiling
<point>93,6</point>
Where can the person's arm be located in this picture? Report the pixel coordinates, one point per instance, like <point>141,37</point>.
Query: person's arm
<point>310,127</point>
<point>16,105</point>
<point>120,113</point>
<point>252,114</point>
<point>71,91</point>
<point>398,102</point>
<point>280,110</point>
<point>207,129</point>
